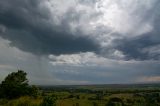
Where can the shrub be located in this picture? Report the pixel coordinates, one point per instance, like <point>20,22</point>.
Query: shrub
<point>49,101</point>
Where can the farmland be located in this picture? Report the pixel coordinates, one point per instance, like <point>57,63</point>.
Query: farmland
<point>91,95</point>
<point>106,95</point>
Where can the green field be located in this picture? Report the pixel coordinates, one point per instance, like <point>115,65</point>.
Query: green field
<point>102,95</point>
<point>91,95</point>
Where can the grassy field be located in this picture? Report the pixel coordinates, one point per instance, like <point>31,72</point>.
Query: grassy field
<point>22,101</point>
<point>92,95</point>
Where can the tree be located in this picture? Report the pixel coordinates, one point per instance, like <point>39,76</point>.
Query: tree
<point>15,85</point>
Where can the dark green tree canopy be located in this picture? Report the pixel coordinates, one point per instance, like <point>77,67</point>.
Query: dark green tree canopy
<point>15,85</point>
<point>16,78</point>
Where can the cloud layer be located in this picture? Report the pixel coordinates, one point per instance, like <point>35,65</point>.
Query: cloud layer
<point>60,27</point>
<point>29,26</point>
<point>81,41</point>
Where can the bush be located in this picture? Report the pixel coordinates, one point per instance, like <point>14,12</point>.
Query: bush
<point>49,101</point>
<point>115,102</point>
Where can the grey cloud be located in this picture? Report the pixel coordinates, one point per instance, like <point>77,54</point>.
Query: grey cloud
<point>119,73</point>
<point>134,48</point>
<point>120,30</point>
<point>28,27</point>
<point>41,71</point>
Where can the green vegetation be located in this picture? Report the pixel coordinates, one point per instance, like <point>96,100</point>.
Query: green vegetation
<point>16,85</point>
<point>49,101</point>
<point>15,91</point>
<point>21,101</point>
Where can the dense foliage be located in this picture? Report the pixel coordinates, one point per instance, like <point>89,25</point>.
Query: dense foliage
<point>16,85</point>
<point>49,101</point>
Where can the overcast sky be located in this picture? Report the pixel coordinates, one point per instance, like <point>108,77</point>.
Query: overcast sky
<point>81,41</point>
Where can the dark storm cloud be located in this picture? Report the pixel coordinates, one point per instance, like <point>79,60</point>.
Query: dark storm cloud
<point>28,28</point>
<point>139,47</point>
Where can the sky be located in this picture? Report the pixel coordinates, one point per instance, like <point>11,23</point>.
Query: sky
<point>59,42</point>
